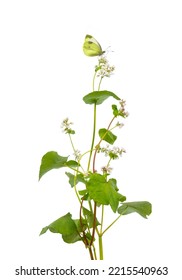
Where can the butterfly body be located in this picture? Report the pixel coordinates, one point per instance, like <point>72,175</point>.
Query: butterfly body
<point>91,46</point>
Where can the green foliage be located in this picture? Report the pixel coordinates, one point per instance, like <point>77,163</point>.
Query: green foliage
<point>74,180</point>
<point>90,217</point>
<point>143,208</point>
<point>98,97</point>
<point>71,164</point>
<point>51,160</point>
<point>65,226</point>
<point>70,131</point>
<point>107,136</point>
<point>103,191</point>
<point>115,110</point>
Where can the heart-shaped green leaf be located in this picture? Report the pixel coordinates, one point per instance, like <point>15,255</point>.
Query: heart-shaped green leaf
<point>98,97</point>
<point>103,191</point>
<point>143,208</point>
<point>107,136</point>
<point>74,180</point>
<point>51,160</point>
<point>65,226</point>
<point>72,164</point>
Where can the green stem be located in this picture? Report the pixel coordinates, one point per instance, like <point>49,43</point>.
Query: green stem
<point>93,82</point>
<point>76,170</point>
<point>72,143</point>
<point>101,248</point>
<point>76,192</point>
<point>100,235</point>
<point>113,127</point>
<point>94,127</point>
<point>93,138</point>
<point>109,162</point>
<point>84,235</point>
<point>98,145</point>
<point>100,83</point>
<point>88,168</point>
<point>102,219</point>
<point>112,224</point>
<point>95,255</point>
<point>75,189</point>
<point>94,224</point>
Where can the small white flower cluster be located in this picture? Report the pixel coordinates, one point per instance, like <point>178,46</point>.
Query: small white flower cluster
<point>120,125</point>
<point>122,110</point>
<point>66,125</point>
<point>77,155</point>
<point>113,153</point>
<point>103,68</point>
<point>107,169</point>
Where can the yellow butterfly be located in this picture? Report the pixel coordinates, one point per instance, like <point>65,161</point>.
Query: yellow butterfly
<point>91,47</point>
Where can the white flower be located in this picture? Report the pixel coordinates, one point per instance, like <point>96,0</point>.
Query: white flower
<point>113,153</point>
<point>77,155</point>
<point>126,114</point>
<point>66,125</point>
<point>107,169</point>
<point>120,125</point>
<point>103,68</point>
<point>122,110</point>
<point>122,102</point>
<point>105,150</point>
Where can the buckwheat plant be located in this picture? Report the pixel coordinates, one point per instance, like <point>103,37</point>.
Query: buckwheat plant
<point>95,189</point>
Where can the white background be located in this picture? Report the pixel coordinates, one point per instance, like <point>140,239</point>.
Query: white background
<point>44,76</point>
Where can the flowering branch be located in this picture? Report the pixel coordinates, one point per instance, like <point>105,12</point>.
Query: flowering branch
<point>93,189</point>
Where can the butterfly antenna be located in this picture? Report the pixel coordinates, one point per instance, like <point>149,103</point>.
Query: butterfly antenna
<point>108,50</point>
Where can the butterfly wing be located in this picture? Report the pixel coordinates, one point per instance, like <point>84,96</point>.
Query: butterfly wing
<point>91,46</point>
